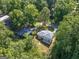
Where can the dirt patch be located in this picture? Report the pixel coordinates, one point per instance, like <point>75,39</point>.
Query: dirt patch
<point>42,48</point>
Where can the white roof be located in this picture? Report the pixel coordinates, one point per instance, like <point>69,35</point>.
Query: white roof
<point>4,18</point>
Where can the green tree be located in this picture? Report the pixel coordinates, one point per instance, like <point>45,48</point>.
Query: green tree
<point>4,5</point>
<point>5,36</point>
<point>63,7</point>
<point>51,3</point>
<point>40,4</point>
<point>66,46</point>
<point>20,49</point>
<point>17,18</point>
<point>45,15</point>
<point>8,5</point>
<point>31,13</point>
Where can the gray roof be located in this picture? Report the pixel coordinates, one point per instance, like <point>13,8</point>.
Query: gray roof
<point>46,36</point>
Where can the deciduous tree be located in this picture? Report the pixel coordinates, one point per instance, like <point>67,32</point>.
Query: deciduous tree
<point>67,43</point>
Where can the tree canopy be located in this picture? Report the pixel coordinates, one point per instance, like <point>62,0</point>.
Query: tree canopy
<point>63,7</point>
<point>67,44</point>
<point>39,14</point>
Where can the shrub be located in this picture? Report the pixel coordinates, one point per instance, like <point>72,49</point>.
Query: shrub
<point>17,18</point>
<point>31,13</point>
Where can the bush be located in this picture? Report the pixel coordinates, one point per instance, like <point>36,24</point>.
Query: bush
<point>63,7</point>
<point>8,5</point>
<point>12,49</point>
<point>31,13</point>
<point>18,19</point>
<point>5,36</point>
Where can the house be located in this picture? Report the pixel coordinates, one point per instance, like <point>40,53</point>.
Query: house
<point>4,18</point>
<point>20,32</point>
<point>45,36</point>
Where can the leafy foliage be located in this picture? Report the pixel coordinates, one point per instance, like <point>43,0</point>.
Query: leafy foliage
<point>63,7</point>
<point>17,18</point>
<point>67,43</point>
<point>8,5</point>
<point>5,35</point>
<point>51,3</point>
<point>15,48</point>
<point>44,16</point>
<point>40,4</point>
<point>31,13</point>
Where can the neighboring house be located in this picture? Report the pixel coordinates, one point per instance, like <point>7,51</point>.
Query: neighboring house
<point>4,18</point>
<point>20,32</point>
<point>24,30</point>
